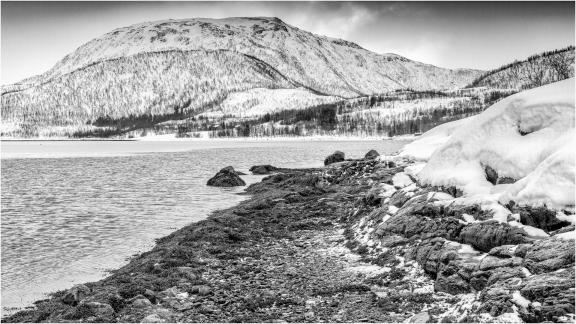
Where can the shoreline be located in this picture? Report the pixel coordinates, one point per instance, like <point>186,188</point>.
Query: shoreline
<point>161,138</point>
<point>344,243</point>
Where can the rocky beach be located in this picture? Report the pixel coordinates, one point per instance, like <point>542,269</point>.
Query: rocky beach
<point>355,241</point>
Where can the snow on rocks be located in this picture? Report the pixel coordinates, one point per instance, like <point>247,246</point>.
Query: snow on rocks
<point>422,148</point>
<point>519,153</point>
<point>527,136</point>
<point>401,180</point>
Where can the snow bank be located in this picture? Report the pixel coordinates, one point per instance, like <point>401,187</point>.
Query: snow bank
<point>528,137</point>
<point>422,148</point>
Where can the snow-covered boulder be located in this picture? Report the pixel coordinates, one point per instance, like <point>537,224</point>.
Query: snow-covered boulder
<point>528,137</point>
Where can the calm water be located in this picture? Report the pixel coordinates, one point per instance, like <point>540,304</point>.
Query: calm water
<point>72,210</point>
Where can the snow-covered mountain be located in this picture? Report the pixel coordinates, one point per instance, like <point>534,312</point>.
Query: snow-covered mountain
<point>178,68</point>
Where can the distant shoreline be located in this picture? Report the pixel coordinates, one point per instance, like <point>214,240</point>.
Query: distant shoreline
<point>231,139</point>
<point>67,140</point>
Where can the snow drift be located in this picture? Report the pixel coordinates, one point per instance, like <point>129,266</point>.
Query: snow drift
<point>519,149</point>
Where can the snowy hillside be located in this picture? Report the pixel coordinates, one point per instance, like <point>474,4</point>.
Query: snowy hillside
<point>521,149</point>
<point>537,70</point>
<point>325,64</point>
<point>147,73</point>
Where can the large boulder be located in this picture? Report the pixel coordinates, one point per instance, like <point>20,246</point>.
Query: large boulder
<point>550,255</point>
<point>335,157</point>
<point>486,235</point>
<point>372,154</point>
<point>226,177</point>
<point>540,217</point>
<point>263,169</point>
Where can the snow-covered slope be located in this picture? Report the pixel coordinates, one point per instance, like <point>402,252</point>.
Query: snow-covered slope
<point>537,70</point>
<point>185,67</point>
<point>325,64</point>
<point>526,139</point>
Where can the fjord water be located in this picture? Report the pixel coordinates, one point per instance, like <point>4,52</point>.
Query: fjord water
<point>72,210</point>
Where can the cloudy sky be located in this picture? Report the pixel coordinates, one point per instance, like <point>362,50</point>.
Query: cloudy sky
<point>483,35</point>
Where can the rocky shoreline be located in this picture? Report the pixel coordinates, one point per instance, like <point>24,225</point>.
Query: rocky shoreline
<point>356,241</point>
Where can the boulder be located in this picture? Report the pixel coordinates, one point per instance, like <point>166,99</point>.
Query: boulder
<point>540,217</point>
<point>75,295</point>
<point>263,169</point>
<point>550,255</point>
<point>226,177</point>
<point>153,318</point>
<point>141,302</point>
<point>452,284</point>
<point>423,317</point>
<point>335,157</point>
<point>489,234</point>
<point>503,251</point>
<point>492,262</point>
<point>399,198</point>
<point>554,291</point>
<point>101,310</point>
<point>372,154</point>
<point>491,175</point>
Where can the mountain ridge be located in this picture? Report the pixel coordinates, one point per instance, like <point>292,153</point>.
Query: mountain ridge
<point>206,23</point>
<point>192,65</point>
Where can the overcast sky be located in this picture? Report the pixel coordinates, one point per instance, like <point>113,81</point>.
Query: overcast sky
<point>482,35</point>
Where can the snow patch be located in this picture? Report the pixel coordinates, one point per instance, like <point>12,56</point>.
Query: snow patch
<point>401,180</point>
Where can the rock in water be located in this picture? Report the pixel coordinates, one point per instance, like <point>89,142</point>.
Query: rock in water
<point>335,157</point>
<point>226,177</point>
<point>263,169</point>
<point>372,154</point>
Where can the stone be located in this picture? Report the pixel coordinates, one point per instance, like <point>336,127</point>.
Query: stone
<point>549,255</point>
<point>399,198</point>
<point>503,251</point>
<point>452,284</point>
<point>201,290</point>
<point>335,157</point>
<point>501,274</point>
<point>226,177</point>
<point>153,318</point>
<point>540,217</point>
<point>372,154</point>
<point>141,302</point>
<point>75,295</point>
<point>492,262</point>
<point>309,316</point>
<point>491,175</point>
<point>102,310</point>
<point>263,169</point>
<point>489,234</point>
<point>188,272</point>
<point>554,291</point>
<point>417,217</point>
<point>506,180</point>
<point>423,317</point>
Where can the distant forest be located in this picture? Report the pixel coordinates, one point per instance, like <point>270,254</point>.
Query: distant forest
<point>399,113</point>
